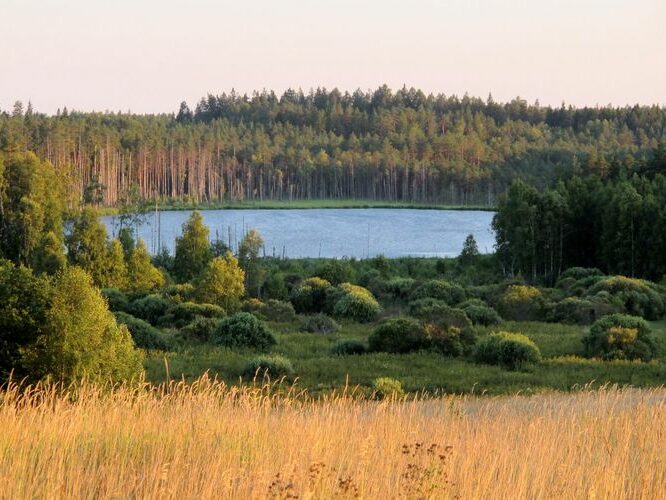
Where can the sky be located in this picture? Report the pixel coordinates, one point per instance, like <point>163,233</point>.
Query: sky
<point>146,56</point>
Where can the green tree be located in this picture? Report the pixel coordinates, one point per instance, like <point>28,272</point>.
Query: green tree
<point>143,275</point>
<point>222,283</point>
<point>87,247</point>
<point>116,276</point>
<point>49,256</point>
<point>470,250</point>
<point>248,255</point>
<point>192,249</point>
<point>83,339</point>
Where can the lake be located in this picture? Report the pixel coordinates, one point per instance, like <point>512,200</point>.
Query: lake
<point>359,233</point>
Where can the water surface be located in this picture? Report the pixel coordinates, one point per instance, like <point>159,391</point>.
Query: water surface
<point>337,233</point>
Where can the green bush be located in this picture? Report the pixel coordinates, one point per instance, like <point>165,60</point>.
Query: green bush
<point>143,333</point>
<point>335,271</point>
<point>309,296</point>
<point>355,302</point>
<point>200,329</point>
<point>579,273</point>
<point>273,367</point>
<point>116,299</point>
<point>184,313</point>
<point>619,336</point>
<point>435,310</point>
<point>510,350</point>
<point>481,314</point>
<point>243,330</point>
<point>348,347</point>
<point>179,293</point>
<point>397,335</point>
<point>400,288</point>
<point>149,308</point>
<point>639,297</point>
<point>579,311</point>
<point>320,323</point>
<point>450,293</point>
<point>446,339</point>
<point>387,388</point>
<point>271,310</point>
<point>522,303</point>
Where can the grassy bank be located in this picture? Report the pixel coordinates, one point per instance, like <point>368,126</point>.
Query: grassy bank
<point>301,204</point>
<point>209,441</point>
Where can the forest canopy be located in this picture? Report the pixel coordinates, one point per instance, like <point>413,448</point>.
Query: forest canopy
<point>387,145</point>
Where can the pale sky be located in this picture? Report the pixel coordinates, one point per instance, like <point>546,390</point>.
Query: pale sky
<point>148,55</point>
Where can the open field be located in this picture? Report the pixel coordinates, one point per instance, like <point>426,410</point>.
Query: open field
<point>563,367</point>
<point>207,440</point>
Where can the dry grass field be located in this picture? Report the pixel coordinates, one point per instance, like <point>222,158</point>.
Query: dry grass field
<point>208,440</point>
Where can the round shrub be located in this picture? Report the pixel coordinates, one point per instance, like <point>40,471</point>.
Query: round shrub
<point>579,273</point>
<point>179,293</point>
<point>143,333</point>
<point>387,388</point>
<point>510,350</point>
<point>310,295</point>
<point>116,299</point>
<point>243,330</point>
<point>348,347</point>
<point>449,293</point>
<point>355,302</point>
<point>482,315</point>
<point>639,297</point>
<point>274,367</point>
<point>335,271</point>
<point>201,329</point>
<point>447,340</point>
<point>320,323</point>
<point>149,308</point>
<point>400,288</point>
<point>271,310</point>
<point>435,310</point>
<point>181,314</point>
<point>397,335</point>
<point>574,310</point>
<point>521,303</point>
<point>618,336</point>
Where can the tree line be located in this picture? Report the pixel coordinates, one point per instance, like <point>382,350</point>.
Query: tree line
<point>617,225</point>
<point>381,145</point>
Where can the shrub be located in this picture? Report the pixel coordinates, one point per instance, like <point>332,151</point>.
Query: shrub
<point>574,310</point>
<point>435,310</point>
<point>400,288</point>
<point>387,388</point>
<point>618,336</point>
<point>447,340</point>
<point>181,314</point>
<point>271,310</point>
<point>143,333</point>
<point>521,303</point>
<point>243,330</point>
<point>355,302</point>
<point>310,295</point>
<point>579,273</point>
<point>116,299</point>
<point>200,329</point>
<point>149,308</point>
<point>639,297</point>
<point>179,293</point>
<point>481,314</point>
<point>222,282</point>
<point>335,271</point>
<point>274,367</point>
<point>319,323</point>
<point>510,350</point>
<point>348,347</point>
<point>397,335</point>
<point>450,293</point>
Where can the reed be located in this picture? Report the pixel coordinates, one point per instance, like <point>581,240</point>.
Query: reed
<point>210,440</point>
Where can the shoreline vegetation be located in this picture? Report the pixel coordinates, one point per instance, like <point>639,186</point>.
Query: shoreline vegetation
<point>171,205</point>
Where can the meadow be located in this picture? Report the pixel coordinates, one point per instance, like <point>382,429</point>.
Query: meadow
<point>210,440</point>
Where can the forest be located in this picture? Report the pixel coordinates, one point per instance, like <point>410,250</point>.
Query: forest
<point>401,146</point>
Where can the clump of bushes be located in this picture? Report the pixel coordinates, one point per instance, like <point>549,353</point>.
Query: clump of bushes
<point>639,297</point>
<point>521,303</point>
<point>513,351</point>
<point>309,296</point>
<point>149,308</point>
<point>319,323</point>
<point>450,293</point>
<point>243,330</point>
<point>116,299</point>
<point>271,310</point>
<point>181,314</point>
<point>436,310</point>
<point>580,311</point>
<point>335,271</point>
<point>397,335</point>
<point>179,293</point>
<point>618,336</point>
<point>273,367</point>
<point>143,333</point>
<point>201,329</point>
<point>354,302</point>
<point>480,313</point>
<point>446,339</point>
<point>387,388</point>
<point>400,288</point>
<point>348,347</point>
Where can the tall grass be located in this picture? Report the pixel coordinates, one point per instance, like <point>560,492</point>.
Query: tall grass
<point>209,440</point>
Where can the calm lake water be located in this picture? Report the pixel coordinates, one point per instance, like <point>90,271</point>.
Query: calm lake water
<point>338,233</point>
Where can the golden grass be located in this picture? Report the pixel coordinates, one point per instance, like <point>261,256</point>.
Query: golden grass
<point>207,440</point>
